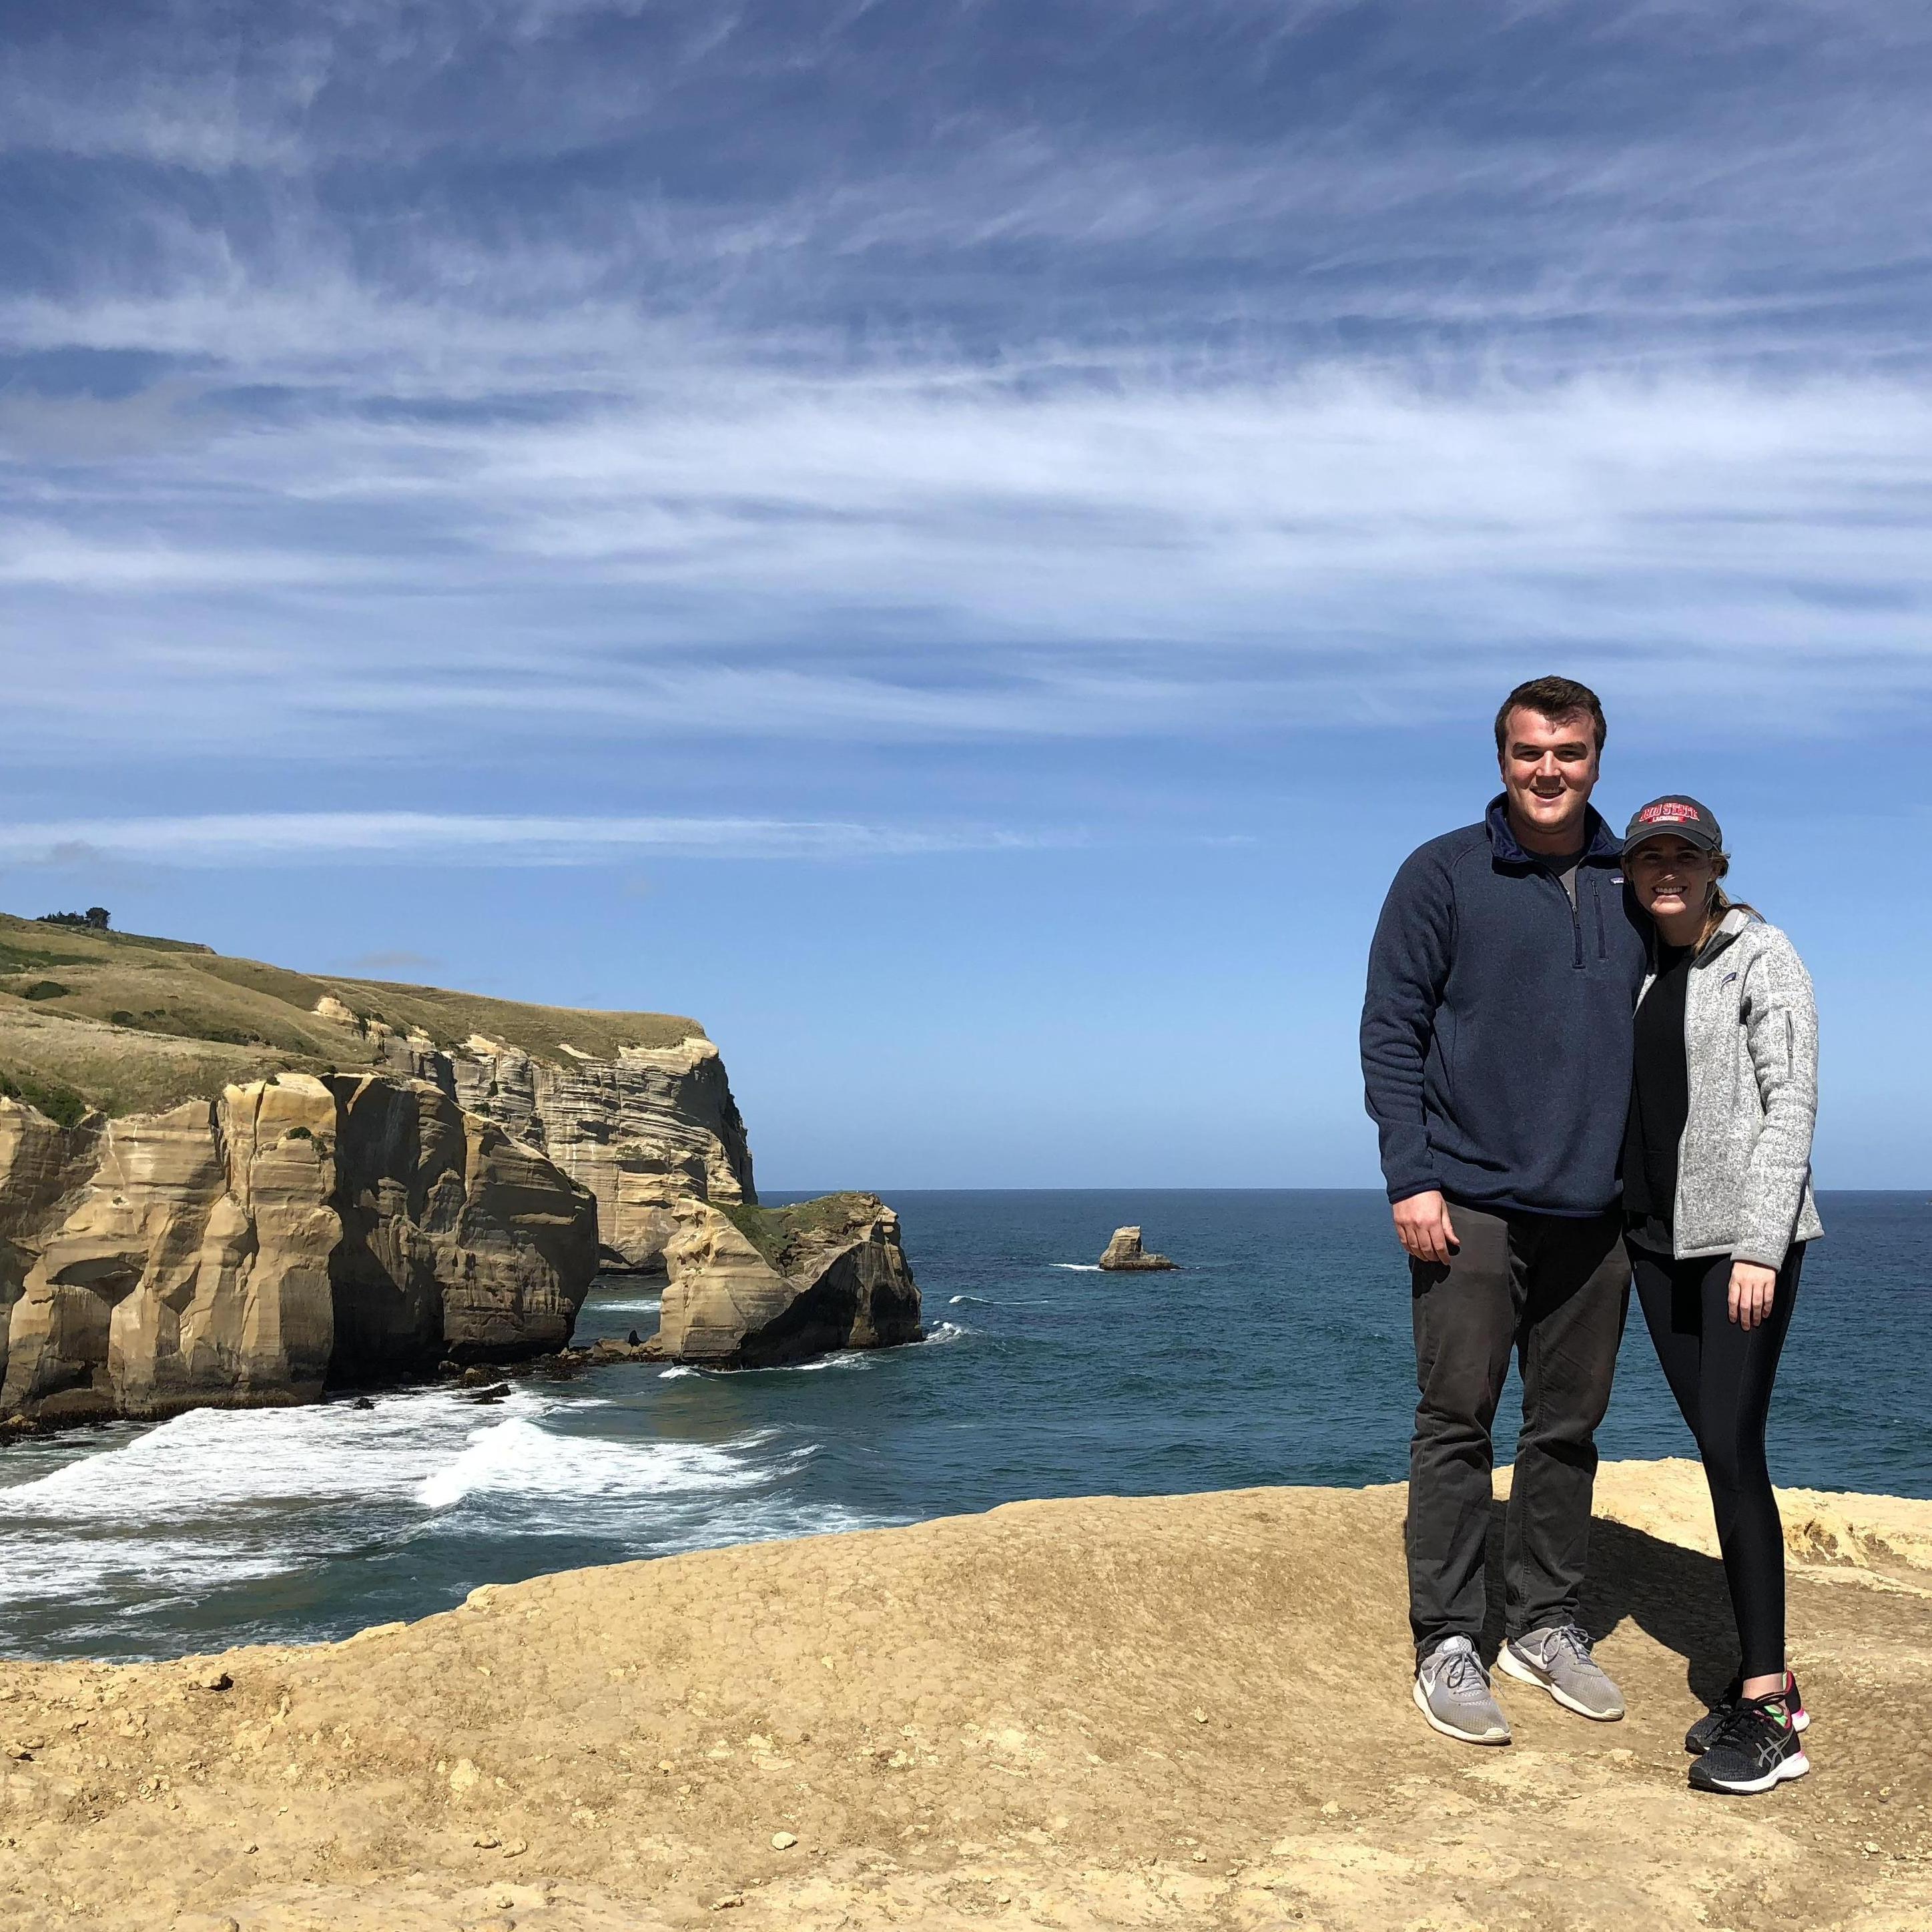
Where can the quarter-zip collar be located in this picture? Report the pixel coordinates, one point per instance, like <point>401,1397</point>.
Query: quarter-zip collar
<point>1599,842</point>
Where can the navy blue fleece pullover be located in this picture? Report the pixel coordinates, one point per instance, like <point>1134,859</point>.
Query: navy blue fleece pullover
<point>1496,1031</point>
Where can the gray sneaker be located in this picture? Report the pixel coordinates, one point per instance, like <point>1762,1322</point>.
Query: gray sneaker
<point>1558,1658</point>
<point>1452,1690</point>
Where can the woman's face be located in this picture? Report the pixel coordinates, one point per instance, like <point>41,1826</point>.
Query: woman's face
<point>1670,876</point>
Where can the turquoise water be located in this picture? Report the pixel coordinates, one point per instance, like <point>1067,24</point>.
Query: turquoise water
<point>1279,1353</point>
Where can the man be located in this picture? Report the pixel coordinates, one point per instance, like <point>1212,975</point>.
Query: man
<point>1496,1049</point>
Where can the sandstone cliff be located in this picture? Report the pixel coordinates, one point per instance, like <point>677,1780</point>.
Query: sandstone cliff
<point>642,1130</point>
<point>157,1250</point>
<point>753,1288</point>
<point>296,1230</point>
<point>1091,1714</point>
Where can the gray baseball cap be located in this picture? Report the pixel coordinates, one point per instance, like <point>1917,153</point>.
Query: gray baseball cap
<point>1681,818</point>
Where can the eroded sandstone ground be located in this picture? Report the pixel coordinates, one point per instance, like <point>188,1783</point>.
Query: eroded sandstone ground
<point>1185,1711</point>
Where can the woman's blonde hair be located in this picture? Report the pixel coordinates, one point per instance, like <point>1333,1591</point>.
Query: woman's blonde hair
<point>1720,901</point>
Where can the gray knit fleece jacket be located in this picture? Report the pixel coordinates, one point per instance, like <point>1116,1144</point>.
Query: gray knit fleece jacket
<point>1750,1034</point>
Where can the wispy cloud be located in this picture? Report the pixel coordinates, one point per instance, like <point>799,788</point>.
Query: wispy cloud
<point>875,557</point>
<point>287,839</point>
<point>380,375</point>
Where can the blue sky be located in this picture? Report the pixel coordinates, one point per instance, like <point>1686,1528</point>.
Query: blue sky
<point>962,543</point>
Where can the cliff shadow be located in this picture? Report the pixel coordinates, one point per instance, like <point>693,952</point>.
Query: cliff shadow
<point>1676,1595</point>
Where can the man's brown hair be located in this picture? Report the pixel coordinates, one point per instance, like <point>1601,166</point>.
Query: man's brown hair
<point>1556,698</point>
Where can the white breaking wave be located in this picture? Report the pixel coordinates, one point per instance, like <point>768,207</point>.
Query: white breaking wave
<point>516,1458</point>
<point>213,1460</point>
<point>845,1358</point>
<point>1078,1267</point>
<point>219,1497</point>
<point>944,1331</point>
<point>642,1304</point>
<point>213,1497</point>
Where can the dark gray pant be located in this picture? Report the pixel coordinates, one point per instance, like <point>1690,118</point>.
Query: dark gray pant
<point>1555,1290</point>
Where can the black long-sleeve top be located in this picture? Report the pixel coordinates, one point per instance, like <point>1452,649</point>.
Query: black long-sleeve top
<point>1660,1101</point>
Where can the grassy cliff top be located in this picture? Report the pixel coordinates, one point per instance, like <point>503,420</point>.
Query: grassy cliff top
<point>785,1235</point>
<point>129,1024</point>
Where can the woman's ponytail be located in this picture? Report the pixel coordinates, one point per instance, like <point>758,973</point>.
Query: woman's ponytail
<point>1720,901</point>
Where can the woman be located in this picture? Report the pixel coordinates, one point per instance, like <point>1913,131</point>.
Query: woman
<point>1718,1198</point>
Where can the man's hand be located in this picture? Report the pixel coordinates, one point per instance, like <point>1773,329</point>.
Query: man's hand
<point>1752,1287</point>
<point>1422,1226</point>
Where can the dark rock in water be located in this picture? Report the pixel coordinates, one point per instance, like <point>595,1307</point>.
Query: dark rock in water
<point>362,1402</point>
<point>608,1348</point>
<point>1125,1255</point>
<point>494,1393</point>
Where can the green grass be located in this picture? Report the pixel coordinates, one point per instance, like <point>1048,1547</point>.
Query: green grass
<point>136,1024</point>
<point>60,1104</point>
<point>780,1234</point>
<point>27,959</point>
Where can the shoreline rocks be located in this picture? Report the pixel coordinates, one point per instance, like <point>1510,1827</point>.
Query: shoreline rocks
<point>758,1287</point>
<point>1125,1255</point>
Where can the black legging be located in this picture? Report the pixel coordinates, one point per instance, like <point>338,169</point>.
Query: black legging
<point>1721,1375</point>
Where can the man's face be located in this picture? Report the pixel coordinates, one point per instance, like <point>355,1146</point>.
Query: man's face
<point>1549,768</point>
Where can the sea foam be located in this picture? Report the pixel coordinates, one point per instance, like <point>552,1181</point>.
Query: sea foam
<point>516,1458</point>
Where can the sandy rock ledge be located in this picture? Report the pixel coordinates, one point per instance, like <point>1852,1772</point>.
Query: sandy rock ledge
<point>1181,1711</point>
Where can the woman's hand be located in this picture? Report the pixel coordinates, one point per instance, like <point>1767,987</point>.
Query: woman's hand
<point>1752,1287</point>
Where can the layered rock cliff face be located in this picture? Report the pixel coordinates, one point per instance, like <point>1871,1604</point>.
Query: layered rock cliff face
<point>246,1249</point>
<point>643,1130</point>
<point>754,1288</point>
<point>652,1128</point>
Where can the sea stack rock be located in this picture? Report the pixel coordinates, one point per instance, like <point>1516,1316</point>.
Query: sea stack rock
<point>1126,1254</point>
<point>753,1288</point>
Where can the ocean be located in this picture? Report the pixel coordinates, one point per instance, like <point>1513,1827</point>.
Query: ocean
<point>1280,1353</point>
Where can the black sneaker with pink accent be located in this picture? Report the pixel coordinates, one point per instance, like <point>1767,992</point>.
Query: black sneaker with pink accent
<point>1755,1749</point>
<point>1697,1738</point>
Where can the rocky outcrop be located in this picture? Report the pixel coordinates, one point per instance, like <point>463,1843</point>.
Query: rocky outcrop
<point>299,1229</point>
<point>1125,1254</point>
<point>754,1287</point>
<point>643,1131</point>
